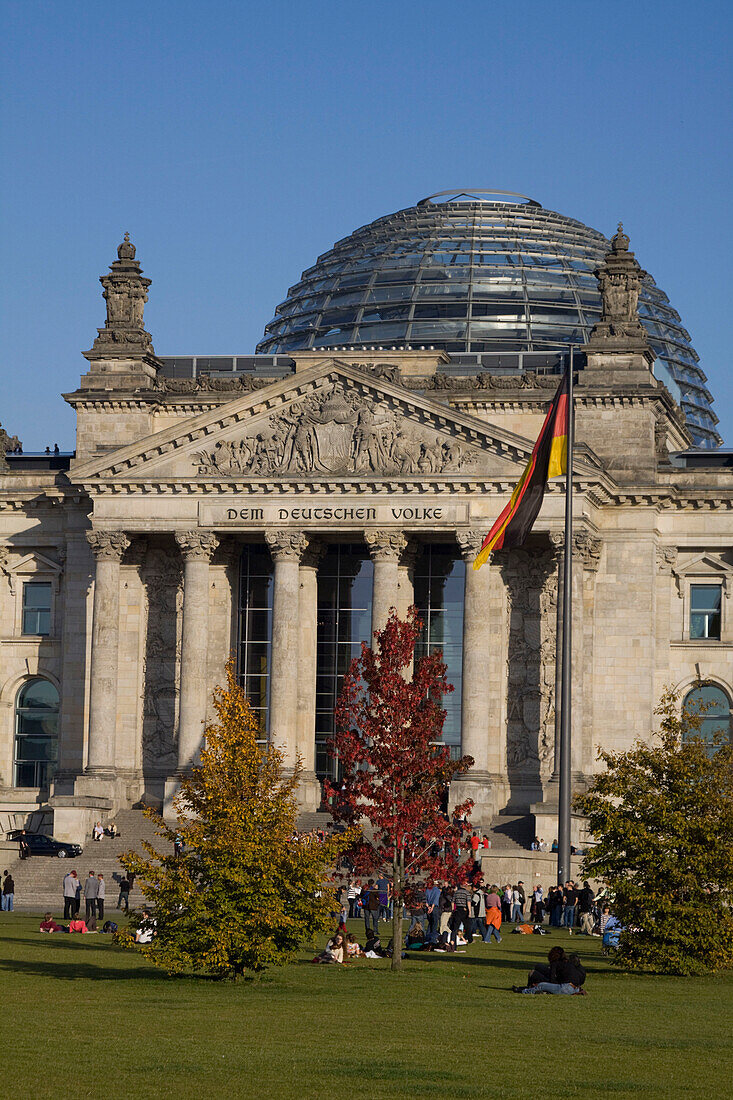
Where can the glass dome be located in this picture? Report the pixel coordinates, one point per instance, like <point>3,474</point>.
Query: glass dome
<point>472,272</point>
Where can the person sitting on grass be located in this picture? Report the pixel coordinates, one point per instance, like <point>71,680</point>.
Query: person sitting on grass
<point>333,952</point>
<point>76,924</point>
<point>416,938</point>
<point>373,947</point>
<point>146,931</point>
<point>565,974</point>
<point>353,947</point>
<point>48,924</point>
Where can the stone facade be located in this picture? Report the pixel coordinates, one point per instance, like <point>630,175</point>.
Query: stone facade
<point>140,540</point>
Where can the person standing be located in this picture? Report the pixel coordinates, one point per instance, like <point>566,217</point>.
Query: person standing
<point>101,893</point>
<point>8,895</point>
<point>478,910</point>
<point>370,900</point>
<point>24,850</point>
<point>352,896</point>
<point>517,911</point>
<point>124,896</point>
<point>432,911</point>
<point>69,887</point>
<point>492,903</point>
<point>586,897</point>
<point>461,910</point>
<point>571,899</point>
<point>91,887</point>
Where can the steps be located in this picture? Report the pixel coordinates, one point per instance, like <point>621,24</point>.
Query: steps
<point>38,879</point>
<point>314,820</point>
<point>509,833</point>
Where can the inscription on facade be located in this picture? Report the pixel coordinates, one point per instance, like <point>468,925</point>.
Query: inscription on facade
<point>265,515</point>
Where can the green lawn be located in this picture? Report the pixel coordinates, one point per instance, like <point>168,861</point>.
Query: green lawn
<point>81,1017</point>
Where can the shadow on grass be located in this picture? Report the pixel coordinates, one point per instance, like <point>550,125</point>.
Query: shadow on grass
<point>66,970</point>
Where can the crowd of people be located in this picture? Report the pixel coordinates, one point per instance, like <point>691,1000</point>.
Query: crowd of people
<point>570,906</point>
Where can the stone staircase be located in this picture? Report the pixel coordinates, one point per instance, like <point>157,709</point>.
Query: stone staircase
<point>510,833</point>
<point>314,820</point>
<point>38,879</point>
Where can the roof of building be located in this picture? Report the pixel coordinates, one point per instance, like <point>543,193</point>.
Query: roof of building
<point>474,272</point>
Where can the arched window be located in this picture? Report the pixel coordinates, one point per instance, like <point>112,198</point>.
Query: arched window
<point>714,704</point>
<point>36,733</point>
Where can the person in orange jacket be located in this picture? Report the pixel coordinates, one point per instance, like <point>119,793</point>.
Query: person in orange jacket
<point>493,915</point>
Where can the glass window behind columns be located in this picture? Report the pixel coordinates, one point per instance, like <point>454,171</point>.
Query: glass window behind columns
<point>439,579</point>
<point>344,622</point>
<point>255,630</point>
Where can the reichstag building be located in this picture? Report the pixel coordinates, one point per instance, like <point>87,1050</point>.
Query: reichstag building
<point>276,505</point>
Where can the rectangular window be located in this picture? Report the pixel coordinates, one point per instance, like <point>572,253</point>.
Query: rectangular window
<point>439,587</point>
<point>344,621</point>
<point>255,631</point>
<point>705,602</point>
<point>37,607</point>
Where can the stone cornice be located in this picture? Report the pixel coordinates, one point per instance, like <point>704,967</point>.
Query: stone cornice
<point>281,394</point>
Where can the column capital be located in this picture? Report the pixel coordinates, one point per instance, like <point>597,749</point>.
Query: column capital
<point>286,545</point>
<point>385,545</point>
<point>197,545</point>
<point>470,542</point>
<point>108,545</point>
<point>312,554</point>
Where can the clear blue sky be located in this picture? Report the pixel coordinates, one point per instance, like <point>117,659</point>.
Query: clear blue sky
<point>236,141</point>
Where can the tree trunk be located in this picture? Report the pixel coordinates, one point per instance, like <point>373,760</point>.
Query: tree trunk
<point>398,877</point>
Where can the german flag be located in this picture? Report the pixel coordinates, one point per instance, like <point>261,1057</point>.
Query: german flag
<point>549,459</point>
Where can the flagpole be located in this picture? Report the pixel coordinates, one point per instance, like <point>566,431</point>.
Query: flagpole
<point>563,826</point>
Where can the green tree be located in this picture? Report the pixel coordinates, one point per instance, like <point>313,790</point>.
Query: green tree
<point>242,896</point>
<point>662,815</point>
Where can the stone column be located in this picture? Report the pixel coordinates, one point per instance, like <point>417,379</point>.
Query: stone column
<point>197,549</point>
<point>108,548</point>
<point>286,548</point>
<point>406,575</point>
<point>385,550</point>
<point>309,790</point>
<point>475,691</point>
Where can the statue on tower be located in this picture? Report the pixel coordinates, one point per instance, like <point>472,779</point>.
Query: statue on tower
<point>125,292</point>
<point>620,281</point>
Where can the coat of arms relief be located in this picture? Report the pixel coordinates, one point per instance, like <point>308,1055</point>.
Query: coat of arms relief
<point>337,432</point>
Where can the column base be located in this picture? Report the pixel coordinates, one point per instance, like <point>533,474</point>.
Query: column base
<point>104,785</point>
<point>480,787</point>
<point>308,793</point>
<point>74,815</point>
<point>546,825</point>
<point>171,791</point>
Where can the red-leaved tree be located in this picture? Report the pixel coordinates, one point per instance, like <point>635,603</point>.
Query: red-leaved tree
<point>395,773</point>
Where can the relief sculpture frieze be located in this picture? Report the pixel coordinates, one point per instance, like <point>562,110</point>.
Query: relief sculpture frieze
<point>337,432</point>
<point>531,581</point>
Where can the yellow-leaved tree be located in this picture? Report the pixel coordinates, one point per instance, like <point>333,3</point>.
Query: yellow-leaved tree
<point>242,895</point>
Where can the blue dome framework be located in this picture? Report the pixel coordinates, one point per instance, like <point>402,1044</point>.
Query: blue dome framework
<point>473,272</point>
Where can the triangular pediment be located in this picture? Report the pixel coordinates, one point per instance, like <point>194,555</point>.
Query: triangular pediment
<point>330,421</point>
<point>705,564</point>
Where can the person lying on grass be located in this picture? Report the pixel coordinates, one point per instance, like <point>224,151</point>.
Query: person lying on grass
<point>48,924</point>
<point>564,974</point>
<point>76,924</point>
